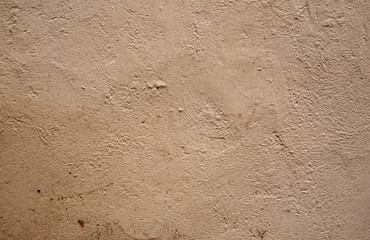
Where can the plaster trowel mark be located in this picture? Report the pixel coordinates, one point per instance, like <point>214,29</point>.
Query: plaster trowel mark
<point>280,140</point>
<point>85,193</point>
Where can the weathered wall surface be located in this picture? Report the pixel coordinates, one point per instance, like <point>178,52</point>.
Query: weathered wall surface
<point>184,119</point>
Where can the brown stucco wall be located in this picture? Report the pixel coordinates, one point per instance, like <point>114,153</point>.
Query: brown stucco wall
<point>181,119</point>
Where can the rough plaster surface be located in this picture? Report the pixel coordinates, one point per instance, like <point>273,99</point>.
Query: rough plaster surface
<point>184,119</point>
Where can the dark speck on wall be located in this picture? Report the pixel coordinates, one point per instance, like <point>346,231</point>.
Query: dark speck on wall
<point>82,223</point>
<point>38,190</point>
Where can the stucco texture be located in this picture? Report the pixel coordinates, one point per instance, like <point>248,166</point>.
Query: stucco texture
<point>224,119</point>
